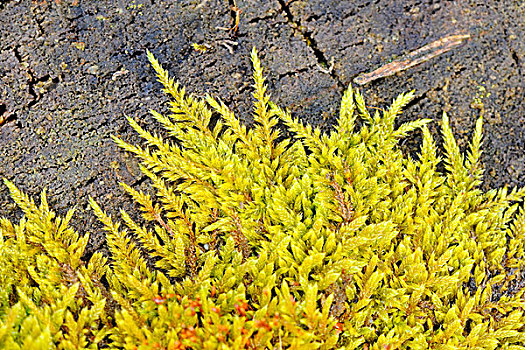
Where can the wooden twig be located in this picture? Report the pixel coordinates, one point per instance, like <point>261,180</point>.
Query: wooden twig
<point>229,44</point>
<point>413,58</point>
<point>4,118</point>
<point>235,13</point>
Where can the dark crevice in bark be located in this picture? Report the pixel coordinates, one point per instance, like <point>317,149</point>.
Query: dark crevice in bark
<point>322,61</point>
<point>516,59</point>
<point>33,81</point>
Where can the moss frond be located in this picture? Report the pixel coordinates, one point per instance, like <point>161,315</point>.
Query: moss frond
<point>248,240</point>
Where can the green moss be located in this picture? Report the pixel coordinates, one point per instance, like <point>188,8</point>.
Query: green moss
<point>316,241</point>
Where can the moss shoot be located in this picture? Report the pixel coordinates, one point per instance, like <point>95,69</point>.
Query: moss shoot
<point>252,240</point>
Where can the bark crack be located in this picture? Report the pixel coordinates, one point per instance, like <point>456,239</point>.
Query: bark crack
<point>323,63</point>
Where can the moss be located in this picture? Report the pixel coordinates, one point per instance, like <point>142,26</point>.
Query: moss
<point>254,240</point>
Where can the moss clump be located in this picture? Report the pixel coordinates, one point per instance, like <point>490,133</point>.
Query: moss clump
<point>316,241</point>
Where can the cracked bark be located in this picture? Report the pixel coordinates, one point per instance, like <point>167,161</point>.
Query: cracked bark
<point>325,65</point>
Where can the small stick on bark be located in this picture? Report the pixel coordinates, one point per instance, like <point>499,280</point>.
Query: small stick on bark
<point>235,14</point>
<point>4,118</point>
<point>413,58</point>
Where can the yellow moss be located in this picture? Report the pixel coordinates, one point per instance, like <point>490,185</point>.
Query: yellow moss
<point>324,241</point>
